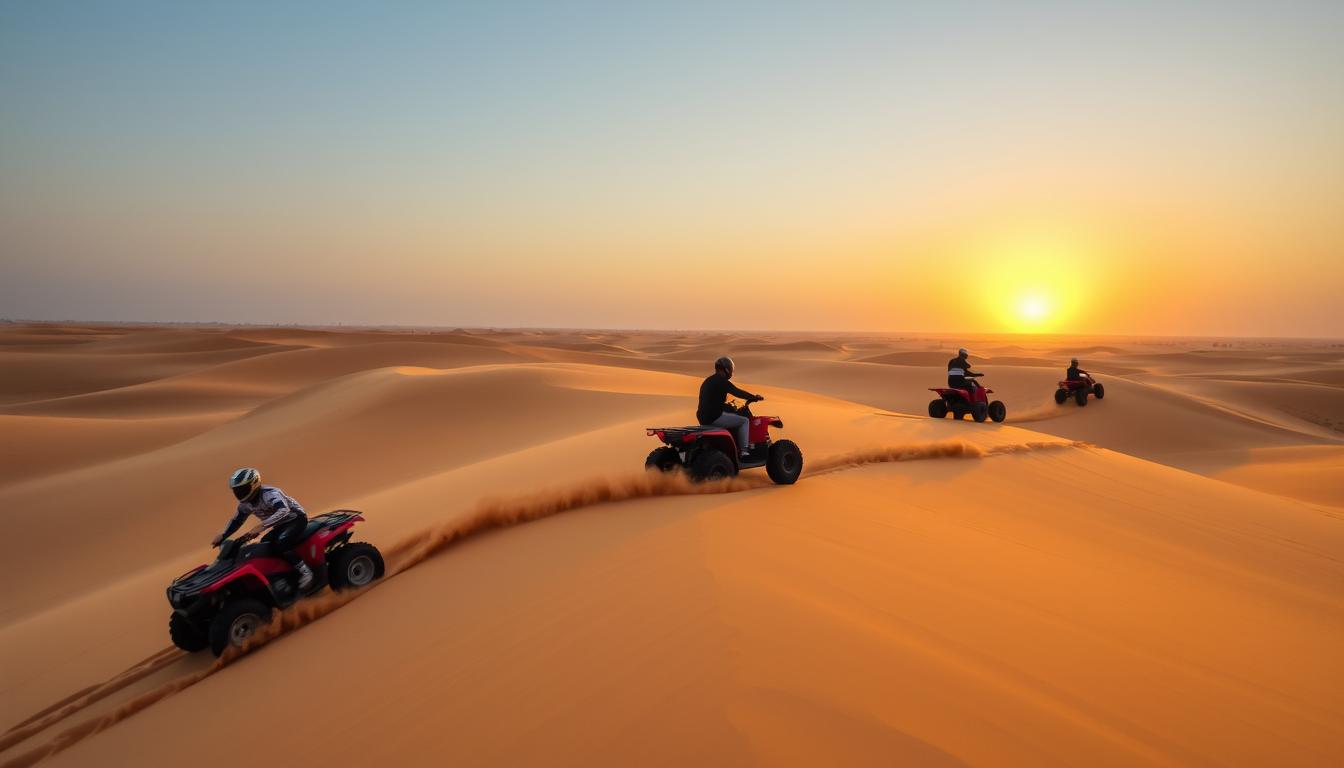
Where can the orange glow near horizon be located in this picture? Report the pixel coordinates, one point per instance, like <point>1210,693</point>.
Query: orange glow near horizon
<point>894,168</point>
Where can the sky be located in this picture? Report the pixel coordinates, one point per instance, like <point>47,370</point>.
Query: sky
<point>1167,168</point>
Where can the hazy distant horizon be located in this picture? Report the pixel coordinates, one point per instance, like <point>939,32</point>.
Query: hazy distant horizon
<point>450,327</point>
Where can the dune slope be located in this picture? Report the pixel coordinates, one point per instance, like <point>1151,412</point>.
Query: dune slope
<point>1062,589</point>
<point>855,617</point>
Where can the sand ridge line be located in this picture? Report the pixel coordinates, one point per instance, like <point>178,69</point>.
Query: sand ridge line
<point>491,514</point>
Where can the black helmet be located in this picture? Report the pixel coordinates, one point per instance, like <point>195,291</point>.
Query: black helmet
<point>725,364</point>
<point>245,483</point>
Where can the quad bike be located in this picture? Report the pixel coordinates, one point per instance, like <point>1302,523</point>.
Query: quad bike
<point>1079,389</point>
<point>711,453</point>
<point>973,400</point>
<point>224,604</point>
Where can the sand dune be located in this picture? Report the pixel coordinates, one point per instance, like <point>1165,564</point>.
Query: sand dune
<point>33,446</point>
<point>931,592</point>
<point>1312,473</point>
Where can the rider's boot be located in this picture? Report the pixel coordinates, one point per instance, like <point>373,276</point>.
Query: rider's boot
<point>305,575</point>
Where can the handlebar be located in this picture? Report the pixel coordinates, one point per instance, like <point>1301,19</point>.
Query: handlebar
<point>242,538</point>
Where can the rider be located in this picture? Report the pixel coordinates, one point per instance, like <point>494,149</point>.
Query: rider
<point>958,368</point>
<point>276,511</point>
<point>713,403</point>
<point>1075,373</point>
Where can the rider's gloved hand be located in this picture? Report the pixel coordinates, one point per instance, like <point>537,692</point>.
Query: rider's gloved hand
<point>219,539</point>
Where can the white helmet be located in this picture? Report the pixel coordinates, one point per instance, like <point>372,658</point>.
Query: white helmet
<point>725,364</point>
<point>245,483</point>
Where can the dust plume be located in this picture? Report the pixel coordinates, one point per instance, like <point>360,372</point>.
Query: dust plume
<point>943,449</point>
<point>1047,409</point>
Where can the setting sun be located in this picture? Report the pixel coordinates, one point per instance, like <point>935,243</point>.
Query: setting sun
<point>1033,309</point>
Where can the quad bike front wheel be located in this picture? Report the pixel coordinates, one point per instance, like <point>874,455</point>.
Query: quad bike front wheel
<point>1098,391</point>
<point>711,464</point>
<point>237,622</point>
<point>1080,397</point>
<point>1061,395</point>
<point>664,459</point>
<point>937,408</point>
<point>353,566</point>
<point>979,411</point>
<point>186,635</point>
<point>785,462</point>
<point>998,411</point>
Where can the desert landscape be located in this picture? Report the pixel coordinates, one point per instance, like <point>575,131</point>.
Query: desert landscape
<point>1153,579</point>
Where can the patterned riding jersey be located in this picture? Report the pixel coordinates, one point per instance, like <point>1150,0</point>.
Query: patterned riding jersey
<point>271,506</point>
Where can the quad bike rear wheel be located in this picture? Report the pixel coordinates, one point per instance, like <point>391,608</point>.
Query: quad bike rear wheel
<point>1080,397</point>
<point>237,622</point>
<point>353,566</point>
<point>186,635</point>
<point>711,464</point>
<point>979,411</point>
<point>998,411</point>
<point>1061,395</point>
<point>785,462</point>
<point>937,408</point>
<point>664,459</point>
<point>1098,391</point>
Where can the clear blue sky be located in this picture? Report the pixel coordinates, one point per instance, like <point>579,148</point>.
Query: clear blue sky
<point>584,164</point>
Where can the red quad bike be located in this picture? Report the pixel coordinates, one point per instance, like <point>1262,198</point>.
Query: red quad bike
<point>224,604</point>
<point>710,453</point>
<point>960,402</point>
<point>1079,390</point>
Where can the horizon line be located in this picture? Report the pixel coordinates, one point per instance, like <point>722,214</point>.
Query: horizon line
<point>611,329</point>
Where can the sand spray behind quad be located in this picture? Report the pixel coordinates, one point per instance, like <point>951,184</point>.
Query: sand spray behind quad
<point>490,514</point>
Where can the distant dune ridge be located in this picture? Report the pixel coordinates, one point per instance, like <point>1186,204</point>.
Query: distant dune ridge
<point>1112,585</point>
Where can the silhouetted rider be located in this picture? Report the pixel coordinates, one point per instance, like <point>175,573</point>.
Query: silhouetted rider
<point>1075,373</point>
<point>958,368</point>
<point>714,397</point>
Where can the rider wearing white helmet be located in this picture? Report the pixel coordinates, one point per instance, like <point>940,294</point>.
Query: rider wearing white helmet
<point>1075,373</point>
<point>279,513</point>
<point>958,368</point>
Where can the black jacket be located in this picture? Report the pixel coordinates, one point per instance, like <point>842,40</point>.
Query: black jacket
<point>959,362</point>
<point>713,394</point>
<point>1075,373</point>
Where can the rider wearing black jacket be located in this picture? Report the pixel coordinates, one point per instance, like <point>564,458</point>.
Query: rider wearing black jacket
<point>714,393</point>
<point>958,368</point>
